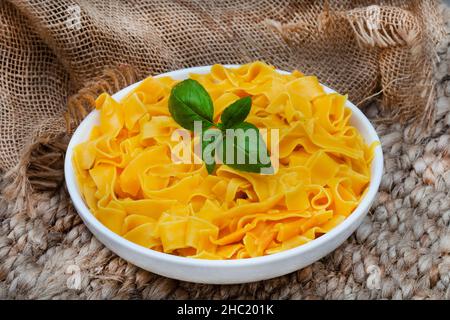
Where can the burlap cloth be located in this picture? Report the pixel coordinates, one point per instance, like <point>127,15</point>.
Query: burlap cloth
<point>56,56</point>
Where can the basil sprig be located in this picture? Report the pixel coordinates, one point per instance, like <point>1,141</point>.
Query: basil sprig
<point>238,143</point>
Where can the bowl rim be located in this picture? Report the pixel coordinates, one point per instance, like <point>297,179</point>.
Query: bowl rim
<point>89,218</point>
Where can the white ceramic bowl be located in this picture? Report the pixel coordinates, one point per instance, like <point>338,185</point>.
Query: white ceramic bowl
<point>223,271</point>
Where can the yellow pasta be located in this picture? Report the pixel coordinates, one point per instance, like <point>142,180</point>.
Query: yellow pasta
<point>129,181</point>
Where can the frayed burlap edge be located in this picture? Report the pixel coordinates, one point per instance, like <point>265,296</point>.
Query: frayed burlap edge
<point>411,101</point>
<point>41,165</point>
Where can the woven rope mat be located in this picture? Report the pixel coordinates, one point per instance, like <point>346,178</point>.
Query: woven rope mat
<point>401,250</point>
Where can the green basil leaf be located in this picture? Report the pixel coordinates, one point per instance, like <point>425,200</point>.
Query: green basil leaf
<point>190,102</point>
<point>210,139</point>
<point>236,112</point>
<point>244,149</point>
